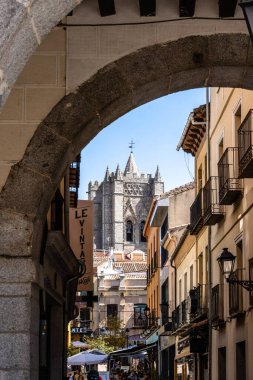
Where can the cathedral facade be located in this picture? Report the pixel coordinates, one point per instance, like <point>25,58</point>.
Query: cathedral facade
<point>121,205</point>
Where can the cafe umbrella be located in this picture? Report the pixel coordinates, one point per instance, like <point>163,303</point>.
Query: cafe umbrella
<point>86,357</point>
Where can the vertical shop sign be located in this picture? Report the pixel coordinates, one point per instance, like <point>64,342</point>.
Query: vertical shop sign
<point>81,241</point>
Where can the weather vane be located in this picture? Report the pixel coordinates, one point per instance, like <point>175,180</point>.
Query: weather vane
<point>131,145</point>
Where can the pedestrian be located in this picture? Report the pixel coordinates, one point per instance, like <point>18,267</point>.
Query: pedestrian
<point>76,375</point>
<point>81,377</point>
<point>93,374</point>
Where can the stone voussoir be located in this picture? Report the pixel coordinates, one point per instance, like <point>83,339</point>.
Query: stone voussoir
<point>15,234</point>
<point>27,192</point>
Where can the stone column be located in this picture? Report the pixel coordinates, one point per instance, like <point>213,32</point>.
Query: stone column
<point>19,319</point>
<point>19,301</point>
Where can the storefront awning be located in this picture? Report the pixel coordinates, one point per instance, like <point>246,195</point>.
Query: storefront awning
<point>132,351</point>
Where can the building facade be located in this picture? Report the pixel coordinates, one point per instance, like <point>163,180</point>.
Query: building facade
<point>121,204</point>
<point>221,217</point>
<point>120,284</point>
<point>166,222</point>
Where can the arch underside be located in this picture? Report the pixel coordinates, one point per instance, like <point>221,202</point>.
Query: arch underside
<point>224,60</point>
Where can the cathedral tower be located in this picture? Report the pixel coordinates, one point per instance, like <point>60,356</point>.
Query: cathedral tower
<point>121,205</point>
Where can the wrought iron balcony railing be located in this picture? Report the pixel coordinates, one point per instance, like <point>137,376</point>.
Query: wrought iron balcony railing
<point>198,302</point>
<point>230,187</point>
<point>235,294</point>
<point>175,318</point>
<point>152,319</point>
<point>164,312</point>
<point>217,306</point>
<point>180,316</point>
<point>246,147</point>
<point>213,212</point>
<point>196,214</point>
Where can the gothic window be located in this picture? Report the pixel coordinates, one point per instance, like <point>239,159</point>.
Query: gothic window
<point>142,237</point>
<point>129,231</point>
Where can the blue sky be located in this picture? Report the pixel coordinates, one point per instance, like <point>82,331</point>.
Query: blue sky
<point>156,128</point>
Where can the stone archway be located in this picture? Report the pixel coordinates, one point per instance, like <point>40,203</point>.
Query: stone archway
<point>191,62</point>
<point>23,25</point>
<point>151,72</point>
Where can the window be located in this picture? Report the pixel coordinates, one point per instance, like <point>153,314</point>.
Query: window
<point>84,314</point>
<point>129,231</point>
<point>251,279</point>
<point>112,310</point>
<point>139,314</point>
<point>222,375</point>
<point>240,361</point>
<point>85,317</point>
<point>200,268</point>
<point>180,291</point>
<point>185,285</point>
<point>191,277</point>
<point>200,180</point>
<point>142,237</point>
<point>164,304</point>
<point>57,212</point>
<point>237,122</point>
<point>220,149</point>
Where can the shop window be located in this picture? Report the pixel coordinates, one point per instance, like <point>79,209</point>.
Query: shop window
<point>129,231</point>
<point>142,237</point>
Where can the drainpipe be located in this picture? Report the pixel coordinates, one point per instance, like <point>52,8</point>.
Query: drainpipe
<point>81,272</point>
<point>175,281</point>
<point>209,239</point>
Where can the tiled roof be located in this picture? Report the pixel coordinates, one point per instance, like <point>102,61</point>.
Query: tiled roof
<point>131,267</point>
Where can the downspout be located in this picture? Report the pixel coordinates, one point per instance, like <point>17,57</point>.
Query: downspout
<point>81,272</point>
<point>175,281</point>
<point>209,239</point>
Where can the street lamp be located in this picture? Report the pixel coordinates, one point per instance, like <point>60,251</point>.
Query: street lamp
<point>247,8</point>
<point>226,262</point>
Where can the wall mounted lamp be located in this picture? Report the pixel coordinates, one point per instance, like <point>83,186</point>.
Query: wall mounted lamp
<point>226,261</point>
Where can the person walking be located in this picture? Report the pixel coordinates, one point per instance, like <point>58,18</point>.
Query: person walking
<point>93,374</point>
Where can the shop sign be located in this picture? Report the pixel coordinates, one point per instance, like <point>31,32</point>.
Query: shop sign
<point>78,330</point>
<point>152,338</point>
<point>81,241</point>
<point>183,344</point>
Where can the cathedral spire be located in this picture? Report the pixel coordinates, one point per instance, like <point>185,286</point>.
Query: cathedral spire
<point>118,174</point>
<point>107,174</point>
<point>158,177</point>
<point>131,167</point>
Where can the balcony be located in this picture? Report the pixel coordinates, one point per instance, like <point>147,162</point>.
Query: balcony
<point>230,187</point>
<point>235,295</point>
<point>217,316</point>
<point>212,212</point>
<point>196,217</point>
<point>180,317</point>
<point>198,302</point>
<point>175,319</point>
<point>152,320</point>
<point>246,147</point>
